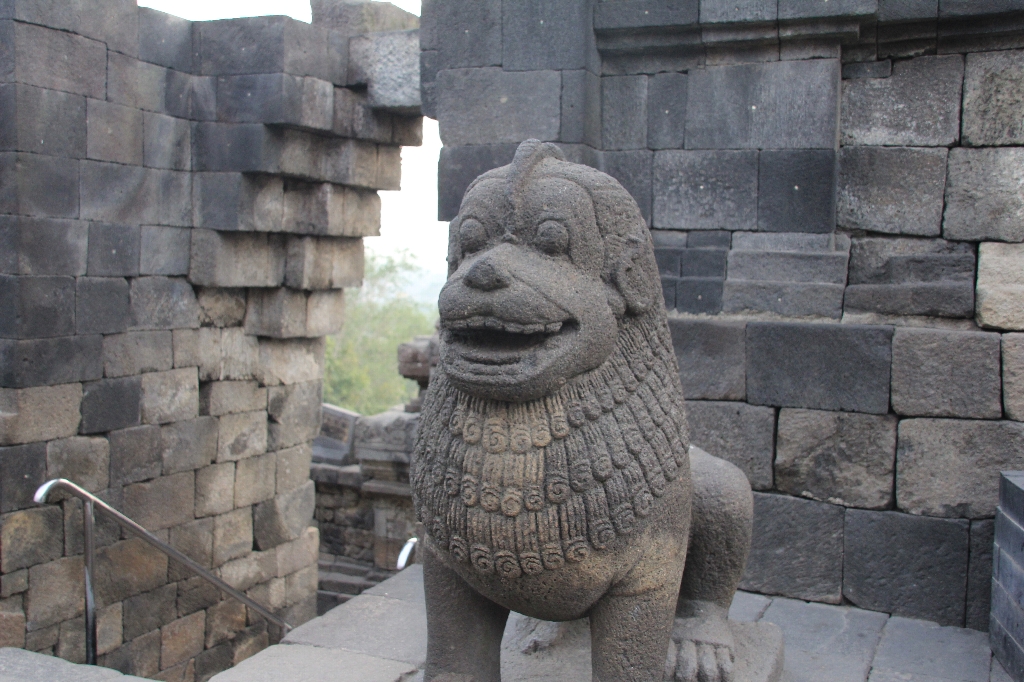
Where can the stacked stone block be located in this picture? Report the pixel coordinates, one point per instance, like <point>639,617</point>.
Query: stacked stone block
<point>834,196</point>
<point>182,204</point>
<point>1007,617</point>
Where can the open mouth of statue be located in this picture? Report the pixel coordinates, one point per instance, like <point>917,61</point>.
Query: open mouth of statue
<point>492,341</point>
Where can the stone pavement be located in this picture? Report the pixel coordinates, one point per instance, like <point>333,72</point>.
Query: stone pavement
<point>380,636</point>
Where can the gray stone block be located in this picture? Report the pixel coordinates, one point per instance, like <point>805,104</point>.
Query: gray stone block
<point>838,457</point>
<point>236,260</point>
<point>135,454</point>
<point>167,142</point>
<point>47,362</point>
<point>668,290</point>
<point>893,190</point>
<point>879,260</point>
<point>165,39</point>
<point>42,121</point>
<point>645,13</point>
<point>902,10</point>
<point>879,69</point>
<point>30,58</point>
<point>130,195</point>
<point>1000,286</point>
<point>39,246</point>
<point>939,373</point>
<point>581,108</point>
<point>906,565</point>
<point>276,98</point>
<point>37,307</point>
<point>669,239</point>
<point>912,649</point>
<point>544,35</point>
<point>488,105</point>
<point>710,240</point>
<point>623,112</point>
<point>993,96</point>
<point>712,358</point>
<point>775,105</point>
<point>237,201</point>
<point>1013,376</point>
<point>933,299</point>
<point>825,367</point>
<point>457,167</point>
<point>163,303</point>
<point>389,63</point>
<point>102,305</point>
<point>294,414</point>
<point>703,262</point>
<point>966,8</point>
<point>797,191</point>
<point>137,352</point>
<point>323,263</point>
<point>726,11</point>
<point>53,13</point>
<point>24,469</point>
<point>705,190</point>
<point>1011,496</point>
<point>787,266</point>
<point>263,45</point>
<point>111,404</point>
<point>633,169</point>
<point>979,575</point>
<point>983,198</point>
<point>666,111</point>
<point>919,105</point>
<point>788,299</point>
<point>738,433</point>
<point>699,295</point>
<point>463,34</point>
<point>950,467</point>
<point>797,549</point>
<point>283,518</point>
<point>31,537</point>
<point>113,250</point>
<point>37,185</point>
<point>114,132</point>
<point>800,9</point>
<point>668,261</point>
<point>164,250</point>
<point>114,22</point>
<point>192,97</point>
<point>188,445</point>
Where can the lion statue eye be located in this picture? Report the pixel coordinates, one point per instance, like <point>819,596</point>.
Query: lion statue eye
<point>552,238</point>
<point>472,236</point>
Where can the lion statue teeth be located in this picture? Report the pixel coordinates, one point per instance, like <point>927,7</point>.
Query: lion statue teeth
<point>552,469</point>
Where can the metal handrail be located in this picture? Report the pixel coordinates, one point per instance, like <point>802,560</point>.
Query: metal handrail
<point>90,504</point>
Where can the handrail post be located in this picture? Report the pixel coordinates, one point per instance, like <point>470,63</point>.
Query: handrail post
<point>88,518</point>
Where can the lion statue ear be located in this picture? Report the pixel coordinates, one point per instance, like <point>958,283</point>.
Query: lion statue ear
<point>635,277</point>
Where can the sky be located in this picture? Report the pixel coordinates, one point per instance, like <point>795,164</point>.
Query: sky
<point>408,218</point>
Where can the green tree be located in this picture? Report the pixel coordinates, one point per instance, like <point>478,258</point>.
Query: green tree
<point>361,364</point>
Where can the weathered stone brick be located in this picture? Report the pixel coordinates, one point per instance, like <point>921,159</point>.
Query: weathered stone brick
<point>950,467</point>
<point>163,502</point>
<point>23,469</point>
<point>113,250</point>
<point>135,454</point>
<point>108,628</point>
<point>283,518</point>
<point>41,413</point>
<point>165,39</point>
<point>788,299</point>
<point>111,404</point>
<point>163,303</point>
<point>906,565</point>
<point>457,167</point>
<point>828,367</point>
<point>41,640</point>
<point>286,313</point>
<point>797,191</point>
<point>57,60</point>
<point>237,201</point>
<point>273,594</point>
<point>788,266</point>
<point>133,195</point>
<point>40,362</point>
<point>301,584</point>
<point>200,348</point>
<point>241,355</point>
<point>148,611</point>
<point>37,185</point>
<point>919,105</point>
<point>738,433</point>
<point>235,260</point>
<point>294,413</point>
<point>298,553</point>
<point>255,479</point>
<point>993,96</point>
<point>30,537</point>
<point>326,209</point>
<point>114,132</point>
<point>232,535</point>
<point>37,246</point>
<point>139,657</point>
<point>166,142</point>
<point>221,307</point>
<point>624,112</point>
<point>946,374</point>
<point>170,396</point>
<point>705,190</point>
<point>86,461</point>
<point>983,196</point>
<point>321,263</point>
<point>56,592</point>
<point>979,575</point>
<point>228,397</point>
<point>838,457</point>
<point>188,445</point>
<point>164,250</point>
<point>194,540</point>
<point>249,570</point>
<point>893,190</point>
<point>262,45</point>
<point>797,549</point>
<point>293,467</point>
<point>136,352</point>
<point>1013,376</point>
<point>182,639</point>
<point>488,105</point>
<point>215,489</point>
<point>114,22</point>
<point>223,621</point>
<point>666,110</point>
<point>290,361</point>
<point>37,307</point>
<point>42,121</point>
<point>102,305</point>
<point>15,583</point>
<point>12,629</point>
<point>242,435</point>
<point>1000,300</point>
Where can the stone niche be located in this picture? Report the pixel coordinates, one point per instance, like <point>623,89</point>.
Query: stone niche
<point>834,194</point>
<point>182,204</point>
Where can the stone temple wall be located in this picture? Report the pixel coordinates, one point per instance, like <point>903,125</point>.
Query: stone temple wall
<point>180,206</point>
<point>835,193</point>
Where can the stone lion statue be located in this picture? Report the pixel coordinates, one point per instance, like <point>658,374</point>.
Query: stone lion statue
<point>552,469</point>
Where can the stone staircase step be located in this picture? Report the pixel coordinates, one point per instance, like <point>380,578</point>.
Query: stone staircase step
<point>344,583</point>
